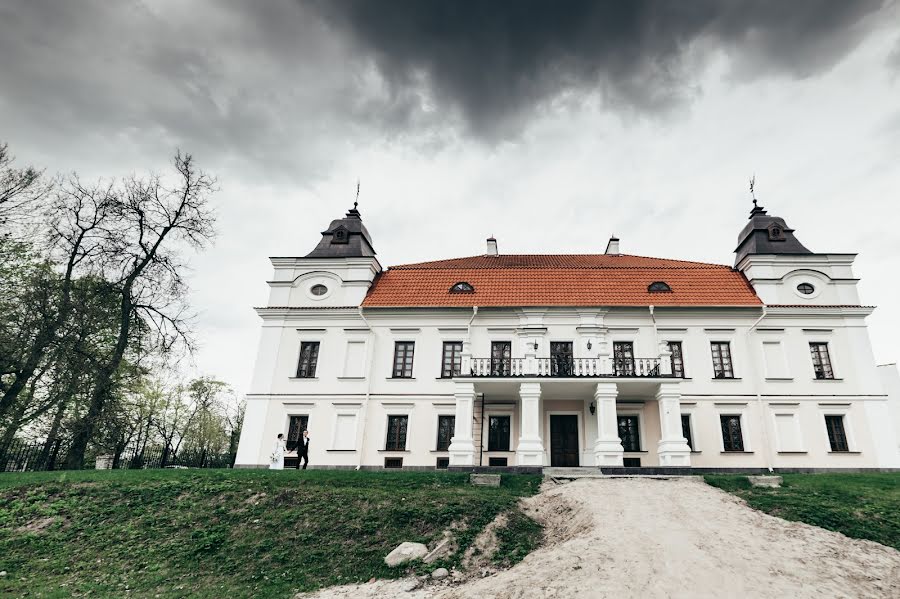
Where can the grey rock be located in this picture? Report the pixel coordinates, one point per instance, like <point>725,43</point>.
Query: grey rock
<point>405,552</point>
<point>440,574</point>
<point>765,481</point>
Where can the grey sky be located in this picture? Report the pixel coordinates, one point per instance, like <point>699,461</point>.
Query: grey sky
<point>549,125</point>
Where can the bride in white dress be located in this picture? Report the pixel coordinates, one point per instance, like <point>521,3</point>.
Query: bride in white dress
<point>277,459</point>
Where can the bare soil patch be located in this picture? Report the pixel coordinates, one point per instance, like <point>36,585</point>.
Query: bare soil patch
<point>666,538</point>
<point>38,525</point>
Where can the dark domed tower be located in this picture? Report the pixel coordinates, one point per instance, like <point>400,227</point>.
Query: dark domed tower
<point>783,271</point>
<point>338,272</point>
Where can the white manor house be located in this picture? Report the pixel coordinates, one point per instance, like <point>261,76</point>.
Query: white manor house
<point>607,360</point>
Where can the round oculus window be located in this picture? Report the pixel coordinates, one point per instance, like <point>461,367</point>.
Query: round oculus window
<point>318,290</point>
<point>806,288</point>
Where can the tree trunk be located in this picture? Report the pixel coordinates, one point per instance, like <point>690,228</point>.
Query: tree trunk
<point>117,455</point>
<point>103,388</point>
<point>52,435</point>
<point>165,455</point>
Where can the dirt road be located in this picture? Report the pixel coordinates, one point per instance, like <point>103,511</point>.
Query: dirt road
<point>679,537</point>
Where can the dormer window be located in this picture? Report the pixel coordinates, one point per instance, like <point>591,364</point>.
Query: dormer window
<point>658,287</point>
<point>340,235</point>
<point>462,287</point>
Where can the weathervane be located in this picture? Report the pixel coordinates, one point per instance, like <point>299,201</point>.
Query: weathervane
<point>753,188</point>
<point>357,195</point>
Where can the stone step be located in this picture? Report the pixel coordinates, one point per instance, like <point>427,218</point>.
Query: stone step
<point>572,471</point>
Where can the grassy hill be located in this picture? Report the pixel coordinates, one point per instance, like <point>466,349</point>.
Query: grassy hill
<point>234,533</point>
<point>862,506</point>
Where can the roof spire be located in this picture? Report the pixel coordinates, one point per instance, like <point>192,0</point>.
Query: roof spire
<point>757,209</point>
<point>353,212</point>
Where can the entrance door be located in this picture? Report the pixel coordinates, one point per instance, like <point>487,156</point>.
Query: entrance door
<point>563,440</point>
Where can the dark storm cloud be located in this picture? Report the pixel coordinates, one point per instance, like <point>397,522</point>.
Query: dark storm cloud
<point>495,61</point>
<point>281,87</point>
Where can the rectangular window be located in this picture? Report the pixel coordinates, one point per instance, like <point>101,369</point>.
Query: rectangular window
<point>309,356</point>
<point>677,359</point>
<point>403,359</point>
<point>393,462</point>
<point>686,430</point>
<point>623,358</point>
<point>721,359</point>
<point>631,462</point>
<point>296,426</point>
<point>396,433</point>
<point>561,362</point>
<point>837,437</point>
<point>732,437</point>
<point>446,428</point>
<point>451,362</point>
<point>629,433</point>
<point>442,463</point>
<point>502,462</point>
<point>821,360</point>
<point>501,358</point>
<point>498,433</point>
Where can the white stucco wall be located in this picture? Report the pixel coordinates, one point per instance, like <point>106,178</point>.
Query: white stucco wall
<point>766,394</point>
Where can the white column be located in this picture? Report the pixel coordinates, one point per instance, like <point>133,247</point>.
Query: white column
<point>530,450</point>
<point>462,448</point>
<point>672,448</point>
<point>608,447</point>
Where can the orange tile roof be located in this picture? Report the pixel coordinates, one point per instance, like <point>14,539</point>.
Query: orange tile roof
<point>560,280</point>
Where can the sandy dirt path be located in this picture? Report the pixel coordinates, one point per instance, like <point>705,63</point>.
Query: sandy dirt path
<point>679,537</point>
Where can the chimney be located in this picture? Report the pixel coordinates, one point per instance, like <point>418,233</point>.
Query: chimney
<point>612,248</point>
<point>492,247</point>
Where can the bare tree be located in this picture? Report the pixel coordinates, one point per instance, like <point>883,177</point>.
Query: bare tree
<point>78,219</point>
<point>152,223</point>
<point>19,191</point>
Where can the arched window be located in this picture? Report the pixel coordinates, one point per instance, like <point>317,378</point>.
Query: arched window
<point>462,287</point>
<point>806,288</point>
<point>658,287</point>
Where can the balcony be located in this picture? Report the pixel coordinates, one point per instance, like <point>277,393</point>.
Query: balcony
<point>569,368</point>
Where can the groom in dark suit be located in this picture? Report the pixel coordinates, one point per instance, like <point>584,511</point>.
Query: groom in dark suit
<point>303,450</point>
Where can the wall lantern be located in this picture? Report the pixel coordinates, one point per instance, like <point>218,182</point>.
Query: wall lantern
<point>589,345</point>
<point>593,408</point>
<point>535,346</point>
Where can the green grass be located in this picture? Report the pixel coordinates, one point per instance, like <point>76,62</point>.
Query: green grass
<point>863,506</point>
<point>517,539</point>
<point>233,533</point>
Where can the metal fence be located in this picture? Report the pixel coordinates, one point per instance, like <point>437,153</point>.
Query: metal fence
<point>21,456</point>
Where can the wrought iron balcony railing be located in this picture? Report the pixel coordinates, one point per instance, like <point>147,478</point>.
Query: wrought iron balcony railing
<point>567,367</point>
